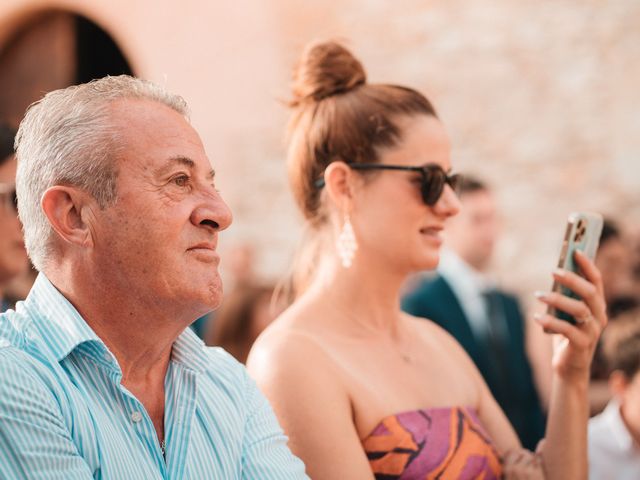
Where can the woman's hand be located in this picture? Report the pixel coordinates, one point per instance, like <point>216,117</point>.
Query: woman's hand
<point>574,350</point>
<point>522,465</point>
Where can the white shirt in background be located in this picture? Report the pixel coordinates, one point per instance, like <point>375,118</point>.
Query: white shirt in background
<point>613,455</point>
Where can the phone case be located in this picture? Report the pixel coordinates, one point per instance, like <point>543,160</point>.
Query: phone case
<point>583,233</point>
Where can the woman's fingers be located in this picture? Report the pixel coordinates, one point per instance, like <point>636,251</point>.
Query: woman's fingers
<point>589,270</point>
<point>576,308</point>
<point>589,289</point>
<point>522,465</point>
<point>573,333</point>
<point>596,302</point>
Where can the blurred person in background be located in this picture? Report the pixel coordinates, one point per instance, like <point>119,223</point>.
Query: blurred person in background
<point>243,315</point>
<point>13,256</point>
<point>363,389</point>
<point>614,435</point>
<point>615,262</point>
<point>488,322</point>
<point>241,264</point>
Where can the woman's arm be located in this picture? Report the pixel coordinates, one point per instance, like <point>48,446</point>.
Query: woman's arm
<point>311,404</point>
<point>565,449</point>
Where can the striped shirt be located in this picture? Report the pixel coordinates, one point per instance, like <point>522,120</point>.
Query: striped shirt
<point>65,415</point>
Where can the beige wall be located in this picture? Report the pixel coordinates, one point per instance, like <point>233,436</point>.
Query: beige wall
<point>540,97</point>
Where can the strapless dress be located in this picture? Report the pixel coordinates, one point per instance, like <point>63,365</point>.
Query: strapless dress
<point>433,443</point>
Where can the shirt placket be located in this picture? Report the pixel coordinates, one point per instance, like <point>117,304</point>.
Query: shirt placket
<point>135,414</point>
<point>141,423</point>
<point>180,405</point>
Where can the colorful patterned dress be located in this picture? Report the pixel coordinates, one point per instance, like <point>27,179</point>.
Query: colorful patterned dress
<point>434,443</point>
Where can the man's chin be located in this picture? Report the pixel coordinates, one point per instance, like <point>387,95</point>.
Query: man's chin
<point>215,293</point>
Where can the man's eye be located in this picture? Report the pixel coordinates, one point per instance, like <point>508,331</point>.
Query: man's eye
<point>181,180</point>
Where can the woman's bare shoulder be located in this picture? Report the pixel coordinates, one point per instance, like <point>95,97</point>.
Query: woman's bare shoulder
<point>285,345</point>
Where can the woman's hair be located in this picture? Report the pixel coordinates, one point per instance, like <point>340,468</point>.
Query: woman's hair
<point>232,327</point>
<point>337,115</point>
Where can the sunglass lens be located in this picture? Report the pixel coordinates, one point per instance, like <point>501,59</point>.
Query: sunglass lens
<point>433,180</point>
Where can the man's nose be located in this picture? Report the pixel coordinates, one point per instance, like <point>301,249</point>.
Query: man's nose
<point>212,212</point>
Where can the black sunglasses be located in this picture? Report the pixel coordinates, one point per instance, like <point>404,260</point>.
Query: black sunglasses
<point>434,178</point>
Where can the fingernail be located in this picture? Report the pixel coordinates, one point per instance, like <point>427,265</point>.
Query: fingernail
<point>559,272</point>
<point>540,294</point>
<point>537,317</point>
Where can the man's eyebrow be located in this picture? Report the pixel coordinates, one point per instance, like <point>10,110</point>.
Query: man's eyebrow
<point>185,161</point>
<point>177,160</point>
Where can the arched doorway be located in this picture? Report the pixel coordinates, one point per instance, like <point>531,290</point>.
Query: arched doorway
<point>53,49</point>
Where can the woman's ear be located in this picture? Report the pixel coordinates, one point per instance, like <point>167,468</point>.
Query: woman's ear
<point>65,207</point>
<point>339,178</point>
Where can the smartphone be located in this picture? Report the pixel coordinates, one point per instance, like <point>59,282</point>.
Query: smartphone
<point>582,233</point>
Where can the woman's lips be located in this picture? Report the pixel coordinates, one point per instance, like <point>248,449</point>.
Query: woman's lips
<point>433,234</point>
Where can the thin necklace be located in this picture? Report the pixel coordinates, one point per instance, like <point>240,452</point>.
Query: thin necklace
<point>163,448</point>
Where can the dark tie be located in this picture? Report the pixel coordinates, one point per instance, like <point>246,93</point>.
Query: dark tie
<point>497,341</point>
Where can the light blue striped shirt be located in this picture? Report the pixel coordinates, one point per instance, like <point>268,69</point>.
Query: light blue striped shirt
<point>65,415</point>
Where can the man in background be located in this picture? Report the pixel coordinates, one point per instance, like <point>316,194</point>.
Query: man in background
<point>486,321</point>
<point>13,257</point>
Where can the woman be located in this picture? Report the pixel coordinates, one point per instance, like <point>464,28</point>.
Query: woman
<point>362,389</point>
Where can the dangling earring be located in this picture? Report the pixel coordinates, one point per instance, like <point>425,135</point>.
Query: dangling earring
<point>347,244</point>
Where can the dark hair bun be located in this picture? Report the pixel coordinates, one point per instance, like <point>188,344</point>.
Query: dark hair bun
<point>326,69</point>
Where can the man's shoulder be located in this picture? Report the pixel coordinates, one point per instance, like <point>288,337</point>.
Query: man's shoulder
<point>427,295</point>
<point>428,286</point>
<point>12,330</point>
<point>224,373</point>
<point>25,374</point>
<point>221,362</point>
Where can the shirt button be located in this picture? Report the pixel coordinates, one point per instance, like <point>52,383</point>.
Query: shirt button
<point>107,357</point>
<point>136,417</point>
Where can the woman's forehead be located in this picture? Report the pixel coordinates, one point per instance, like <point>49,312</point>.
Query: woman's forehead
<point>423,140</point>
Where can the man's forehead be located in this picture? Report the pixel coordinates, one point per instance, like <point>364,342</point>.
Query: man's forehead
<point>156,137</point>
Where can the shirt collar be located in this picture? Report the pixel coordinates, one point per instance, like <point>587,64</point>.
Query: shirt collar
<point>63,328</point>
<point>61,325</point>
<point>613,419</point>
<point>461,275</point>
<point>190,351</point>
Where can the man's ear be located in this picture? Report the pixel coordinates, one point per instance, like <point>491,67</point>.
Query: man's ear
<point>617,383</point>
<point>66,208</point>
<point>339,178</point>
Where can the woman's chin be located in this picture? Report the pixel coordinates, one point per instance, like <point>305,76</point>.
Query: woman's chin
<point>429,262</point>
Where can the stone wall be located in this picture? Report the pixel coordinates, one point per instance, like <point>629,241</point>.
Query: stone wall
<point>541,99</point>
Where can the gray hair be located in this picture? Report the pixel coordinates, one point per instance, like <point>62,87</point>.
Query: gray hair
<point>69,138</point>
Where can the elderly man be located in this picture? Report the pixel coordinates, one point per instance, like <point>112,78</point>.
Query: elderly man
<point>13,258</point>
<point>100,378</point>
